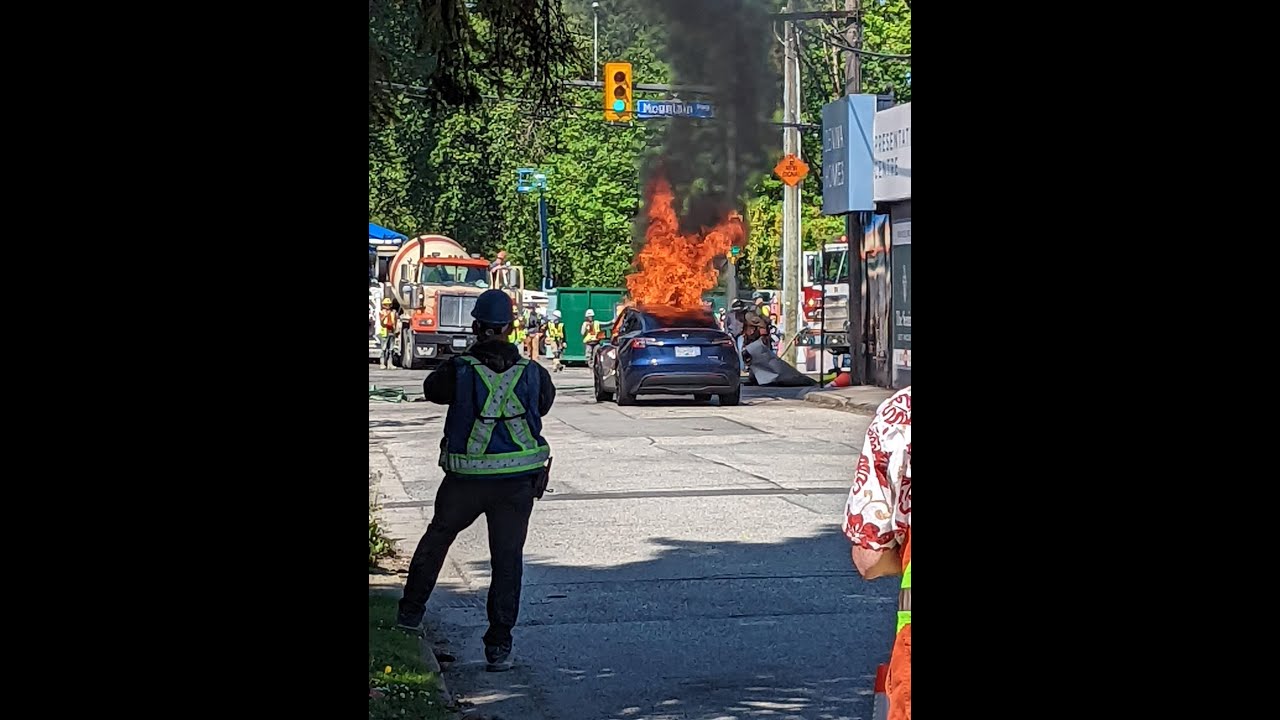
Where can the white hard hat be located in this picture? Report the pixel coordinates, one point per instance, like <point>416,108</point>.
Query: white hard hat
<point>591,313</point>
<point>556,314</point>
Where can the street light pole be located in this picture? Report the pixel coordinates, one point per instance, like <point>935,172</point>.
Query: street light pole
<point>595,42</point>
<point>528,179</point>
<point>542,228</point>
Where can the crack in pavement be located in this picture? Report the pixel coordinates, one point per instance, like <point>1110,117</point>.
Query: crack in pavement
<point>743,491</point>
<point>700,578</point>
<point>702,618</point>
<point>781,496</point>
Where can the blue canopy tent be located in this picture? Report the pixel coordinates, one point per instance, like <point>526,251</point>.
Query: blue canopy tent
<point>381,236</point>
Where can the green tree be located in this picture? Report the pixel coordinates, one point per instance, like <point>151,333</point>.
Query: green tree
<point>444,160</point>
<point>458,50</point>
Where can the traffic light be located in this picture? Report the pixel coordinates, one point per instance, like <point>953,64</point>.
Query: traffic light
<point>617,92</point>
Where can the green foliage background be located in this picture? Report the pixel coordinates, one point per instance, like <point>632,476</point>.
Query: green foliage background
<point>453,170</point>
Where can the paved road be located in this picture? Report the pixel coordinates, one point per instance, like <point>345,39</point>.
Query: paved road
<point>689,565</point>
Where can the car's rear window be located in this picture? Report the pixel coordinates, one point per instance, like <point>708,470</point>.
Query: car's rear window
<point>660,318</point>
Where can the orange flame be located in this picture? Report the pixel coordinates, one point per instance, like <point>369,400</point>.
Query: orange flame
<point>674,270</point>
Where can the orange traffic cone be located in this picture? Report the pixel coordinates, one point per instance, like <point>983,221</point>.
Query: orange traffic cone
<point>880,707</point>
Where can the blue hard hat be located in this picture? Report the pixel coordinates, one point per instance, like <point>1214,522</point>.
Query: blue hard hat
<point>493,307</point>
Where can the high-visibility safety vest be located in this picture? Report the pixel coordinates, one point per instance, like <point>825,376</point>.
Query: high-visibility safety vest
<point>593,332</point>
<point>492,429</point>
<point>904,599</point>
<point>555,331</point>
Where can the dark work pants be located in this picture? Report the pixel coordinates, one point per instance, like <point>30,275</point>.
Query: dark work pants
<point>506,505</point>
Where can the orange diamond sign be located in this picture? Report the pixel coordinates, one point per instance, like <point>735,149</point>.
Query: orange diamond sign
<point>791,169</point>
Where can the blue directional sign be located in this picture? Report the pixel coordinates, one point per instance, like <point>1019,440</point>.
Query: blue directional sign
<point>674,108</point>
<point>847,159</point>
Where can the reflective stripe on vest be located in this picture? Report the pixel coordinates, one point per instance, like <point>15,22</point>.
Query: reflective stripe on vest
<point>503,406</point>
<point>592,335</point>
<point>904,599</point>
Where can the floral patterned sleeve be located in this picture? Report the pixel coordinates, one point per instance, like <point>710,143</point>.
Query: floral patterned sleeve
<point>877,514</point>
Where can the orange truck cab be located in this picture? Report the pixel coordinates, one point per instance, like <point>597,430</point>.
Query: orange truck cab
<point>436,283</point>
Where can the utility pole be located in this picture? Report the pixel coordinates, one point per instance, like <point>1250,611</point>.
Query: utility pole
<point>791,193</point>
<point>731,182</point>
<point>595,42</point>
<point>852,61</point>
<point>853,221</point>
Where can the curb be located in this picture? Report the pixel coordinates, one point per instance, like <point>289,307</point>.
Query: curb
<point>426,651</point>
<point>429,659</point>
<point>827,399</point>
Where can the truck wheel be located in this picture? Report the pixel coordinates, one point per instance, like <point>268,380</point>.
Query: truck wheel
<point>407,355</point>
<point>731,399</point>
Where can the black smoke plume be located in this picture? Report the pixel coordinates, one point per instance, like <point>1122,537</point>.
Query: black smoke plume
<point>725,44</point>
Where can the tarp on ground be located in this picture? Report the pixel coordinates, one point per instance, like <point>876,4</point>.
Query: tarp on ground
<point>769,369</point>
<point>381,236</point>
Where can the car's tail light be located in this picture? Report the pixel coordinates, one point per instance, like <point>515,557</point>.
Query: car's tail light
<point>726,342</point>
<point>639,343</point>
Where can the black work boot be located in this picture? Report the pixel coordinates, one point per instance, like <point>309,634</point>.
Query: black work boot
<point>411,621</point>
<point>497,657</point>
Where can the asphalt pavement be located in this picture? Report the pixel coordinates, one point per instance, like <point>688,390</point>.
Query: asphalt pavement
<point>689,564</point>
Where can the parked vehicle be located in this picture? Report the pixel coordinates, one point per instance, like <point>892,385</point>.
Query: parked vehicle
<point>825,283</point>
<point>436,283</point>
<point>375,305</point>
<point>661,352</point>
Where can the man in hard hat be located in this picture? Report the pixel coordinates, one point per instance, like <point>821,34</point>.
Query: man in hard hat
<point>533,331</point>
<point>590,334</point>
<point>762,307</point>
<point>495,462</point>
<point>500,271</point>
<point>387,322</point>
<point>877,520</point>
<point>555,339</point>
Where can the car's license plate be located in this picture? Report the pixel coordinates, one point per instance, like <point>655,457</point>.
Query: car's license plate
<point>688,351</point>
<point>459,342</point>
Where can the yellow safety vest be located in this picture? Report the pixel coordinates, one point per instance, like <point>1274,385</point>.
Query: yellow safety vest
<point>592,335</point>
<point>555,331</point>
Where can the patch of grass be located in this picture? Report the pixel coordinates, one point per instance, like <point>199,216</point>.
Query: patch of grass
<point>409,691</point>
<point>380,546</point>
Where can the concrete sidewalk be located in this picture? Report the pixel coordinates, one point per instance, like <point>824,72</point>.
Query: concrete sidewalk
<point>862,399</point>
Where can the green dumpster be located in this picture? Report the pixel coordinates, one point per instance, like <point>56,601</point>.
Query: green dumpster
<point>572,304</point>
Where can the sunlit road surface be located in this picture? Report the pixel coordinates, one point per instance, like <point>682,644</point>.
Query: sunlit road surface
<point>689,564</point>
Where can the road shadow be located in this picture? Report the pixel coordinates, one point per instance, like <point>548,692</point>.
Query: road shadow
<point>723,630</point>
<point>403,423</point>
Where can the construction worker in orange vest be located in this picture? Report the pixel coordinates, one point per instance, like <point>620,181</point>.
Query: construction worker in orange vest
<point>877,519</point>
<point>387,322</point>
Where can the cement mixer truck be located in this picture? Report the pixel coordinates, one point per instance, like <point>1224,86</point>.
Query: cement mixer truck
<point>436,283</point>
